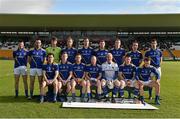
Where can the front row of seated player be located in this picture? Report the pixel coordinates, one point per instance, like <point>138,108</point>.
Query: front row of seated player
<point>109,77</point>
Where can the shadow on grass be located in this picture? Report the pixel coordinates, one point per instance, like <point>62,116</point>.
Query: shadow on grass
<point>20,99</point>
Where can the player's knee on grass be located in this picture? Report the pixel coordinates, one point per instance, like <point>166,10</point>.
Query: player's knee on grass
<point>73,83</point>
<point>83,83</point>
<point>136,85</point>
<point>44,84</point>
<point>122,84</point>
<point>59,84</point>
<point>55,83</point>
<point>98,83</point>
<point>103,82</point>
<point>117,83</point>
<point>68,86</point>
<point>88,84</point>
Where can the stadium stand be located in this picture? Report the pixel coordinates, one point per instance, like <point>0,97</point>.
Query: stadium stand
<point>170,45</point>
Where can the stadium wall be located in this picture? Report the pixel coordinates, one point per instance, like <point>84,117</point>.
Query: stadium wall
<point>6,54</point>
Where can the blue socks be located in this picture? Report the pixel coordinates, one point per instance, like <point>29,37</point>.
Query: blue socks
<point>16,93</point>
<point>121,92</point>
<point>136,92</point>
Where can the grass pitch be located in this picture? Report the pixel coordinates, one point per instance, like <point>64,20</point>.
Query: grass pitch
<point>21,107</point>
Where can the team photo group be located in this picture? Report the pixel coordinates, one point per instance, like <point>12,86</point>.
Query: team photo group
<point>108,72</point>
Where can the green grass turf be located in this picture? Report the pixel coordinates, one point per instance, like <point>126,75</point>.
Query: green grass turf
<point>21,107</point>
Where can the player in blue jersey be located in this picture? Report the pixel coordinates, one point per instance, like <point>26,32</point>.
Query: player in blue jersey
<point>50,74</point>
<point>155,55</point>
<point>20,67</point>
<point>144,78</point>
<point>127,73</point>
<point>86,51</point>
<point>78,78</point>
<point>101,53</point>
<point>93,76</point>
<point>36,59</point>
<point>118,52</point>
<point>70,50</point>
<point>110,78</point>
<point>65,75</point>
<point>136,56</point>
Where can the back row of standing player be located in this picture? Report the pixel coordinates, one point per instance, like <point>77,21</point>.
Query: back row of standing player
<point>36,57</point>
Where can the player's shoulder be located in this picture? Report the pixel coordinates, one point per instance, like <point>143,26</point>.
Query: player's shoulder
<point>122,49</point>
<point>26,50</point>
<point>88,65</point>
<point>133,65</point>
<point>152,67</point>
<point>43,49</point>
<point>106,50</point>
<point>48,48</point>
<point>114,63</point>
<point>129,52</point>
<point>83,64</point>
<point>73,48</point>
<point>58,48</point>
<point>55,63</point>
<point>148,50</point>
<point>122,65</point>
<point>31,49</point>
<point>111,49</point>
<point>139,52</point>
<point>97,49</point>
<point>91,48</point>
<point>69,63</point>
<point>159,50</point>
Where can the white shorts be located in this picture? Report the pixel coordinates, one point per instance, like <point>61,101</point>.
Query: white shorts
<point>146,83</point>
<point>159,71</point>
<point>21,70</point>
<point>132,82</point>
<point>34,71</point>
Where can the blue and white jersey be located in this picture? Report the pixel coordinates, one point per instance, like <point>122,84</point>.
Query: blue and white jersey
<point>136,57</point>
<point>71,54</point>
<point>101,56</point>
<point>118,55</point>
<point>86,53</point>
<point>145,73</point>
<point>155,56</point>
<point>37,57</point>
<point>20,57</point>
<point>64,70</point>
<point>79,70</point>
<point>93,71</point>
<point>50,70</point>
<point>128,71</point>
<point>110,71</point>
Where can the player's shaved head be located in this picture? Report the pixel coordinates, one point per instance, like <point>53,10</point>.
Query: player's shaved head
<point>93,60</point>
<point>109,57</point>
